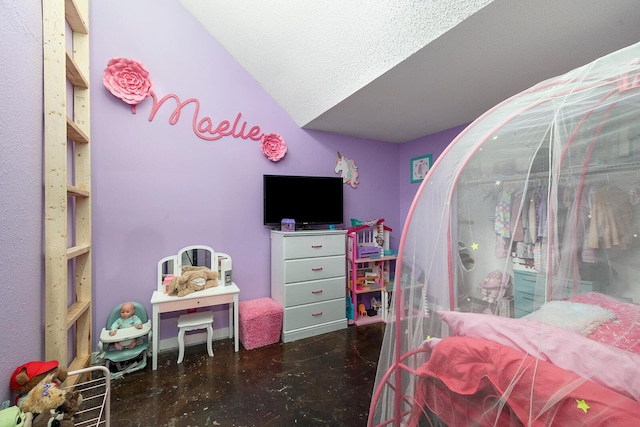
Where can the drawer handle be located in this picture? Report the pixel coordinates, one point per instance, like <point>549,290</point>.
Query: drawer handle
<point>317,292</point>
<point>316,269</point>
<point>316,246</point>
<point>316,314</point>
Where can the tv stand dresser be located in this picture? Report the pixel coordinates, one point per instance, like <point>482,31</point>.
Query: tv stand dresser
<point>308,278</point>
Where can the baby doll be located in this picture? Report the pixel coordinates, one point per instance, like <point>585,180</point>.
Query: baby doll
<point>127,319</point>
<point>491,286</point>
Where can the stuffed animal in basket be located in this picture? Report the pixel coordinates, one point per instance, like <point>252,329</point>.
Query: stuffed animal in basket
<point>494,286</point>
<point>27,376</point>
<point>193,279</point>
<point>14,417</point>
<point>43,399</point>
<point>62,416</point>
<point>70,406</point>
<point>50,419</point>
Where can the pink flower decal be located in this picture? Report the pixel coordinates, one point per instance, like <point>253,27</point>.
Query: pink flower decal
<point>128,80</point>
<point>273,146</point>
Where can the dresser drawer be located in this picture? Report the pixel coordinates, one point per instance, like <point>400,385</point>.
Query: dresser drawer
<point>314,314</point>
<point>314,291</point>
<point>526,297</point>
<point>525,281</point>
<point>299,270</point>
<point>314,246</point>
<point>525,302</point>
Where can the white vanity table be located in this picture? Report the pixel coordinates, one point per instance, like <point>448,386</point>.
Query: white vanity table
<point>164,303</point>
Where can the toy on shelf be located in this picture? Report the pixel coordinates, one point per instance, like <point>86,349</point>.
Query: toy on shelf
<point>372,237</point>
<point>349,307</point>
<point>362,310</point>
<point>368,281</point>
<point>376,304</point>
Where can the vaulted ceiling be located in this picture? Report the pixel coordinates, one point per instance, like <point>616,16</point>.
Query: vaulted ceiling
<point>397,70</point>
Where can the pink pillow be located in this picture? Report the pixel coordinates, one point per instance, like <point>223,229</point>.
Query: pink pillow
<point>624,332</point>
<point>601,363</point>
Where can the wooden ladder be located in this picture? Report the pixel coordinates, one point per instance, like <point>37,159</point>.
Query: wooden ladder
<point>67,178</point>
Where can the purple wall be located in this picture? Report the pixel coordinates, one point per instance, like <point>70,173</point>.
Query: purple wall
<point>157,187</point>
<point>21,194</point>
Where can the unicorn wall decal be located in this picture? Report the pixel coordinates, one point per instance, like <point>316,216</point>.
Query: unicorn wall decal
<point>347,170</point>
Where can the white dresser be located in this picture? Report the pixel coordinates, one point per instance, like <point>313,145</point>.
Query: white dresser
<point>308,280</point>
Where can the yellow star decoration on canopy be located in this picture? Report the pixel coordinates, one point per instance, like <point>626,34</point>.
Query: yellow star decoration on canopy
<point>474,246</point>
<point>583,405</point>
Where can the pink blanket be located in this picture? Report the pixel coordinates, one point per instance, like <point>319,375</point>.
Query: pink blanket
<point>624,332</point>
<point>465,378</point>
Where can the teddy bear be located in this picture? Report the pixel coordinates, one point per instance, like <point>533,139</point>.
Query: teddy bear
<point>71,405</point>
<point>63,415</point>
<point>193,279</point>
<point>43,398</point>
<point>494,286</point>
<point>27,376</point>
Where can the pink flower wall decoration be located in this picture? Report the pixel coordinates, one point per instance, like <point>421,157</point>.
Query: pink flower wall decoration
<point>128,80</point>
<point>273,146</point>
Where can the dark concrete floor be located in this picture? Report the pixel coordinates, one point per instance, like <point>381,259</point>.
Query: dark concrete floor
<point>325,380</point>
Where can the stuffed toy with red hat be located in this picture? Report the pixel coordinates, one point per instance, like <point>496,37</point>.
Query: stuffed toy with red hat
<point>27,376</point>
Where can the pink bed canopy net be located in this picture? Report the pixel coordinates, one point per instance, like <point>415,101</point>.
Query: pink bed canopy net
<point>518,278</point>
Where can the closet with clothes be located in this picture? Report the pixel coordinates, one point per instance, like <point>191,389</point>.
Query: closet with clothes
<point>594,230</point>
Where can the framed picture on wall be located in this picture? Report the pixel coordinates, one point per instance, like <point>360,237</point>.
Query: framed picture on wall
<point>419,167</point>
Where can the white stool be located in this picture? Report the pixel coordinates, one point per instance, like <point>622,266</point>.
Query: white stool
<point>192,322</point>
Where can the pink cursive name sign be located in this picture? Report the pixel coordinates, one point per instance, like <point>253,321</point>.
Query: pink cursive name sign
<point>129,80</point>
<point>205,127</point>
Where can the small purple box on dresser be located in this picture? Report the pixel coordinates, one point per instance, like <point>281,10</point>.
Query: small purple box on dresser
<point>288,224</point>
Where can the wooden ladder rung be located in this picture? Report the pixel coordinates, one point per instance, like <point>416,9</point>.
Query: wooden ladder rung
<point>76,310</point>
<point>73,17</point>
<point>76,134</point>
<point>79,362</point>
<point>77,192</point>
<point>76,251</point>
<point>74,75</point>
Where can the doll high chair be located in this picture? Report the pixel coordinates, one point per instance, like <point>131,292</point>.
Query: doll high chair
<point>126,360</point>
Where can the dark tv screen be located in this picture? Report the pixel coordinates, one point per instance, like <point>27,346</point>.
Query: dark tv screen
<point>309,200</point>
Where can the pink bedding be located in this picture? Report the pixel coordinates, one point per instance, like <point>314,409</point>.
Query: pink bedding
<point>624,332</point>
<point>465,377</point>
<point>604,364</point>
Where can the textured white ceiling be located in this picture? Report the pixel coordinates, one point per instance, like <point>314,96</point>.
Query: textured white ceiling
<point>396,70</point>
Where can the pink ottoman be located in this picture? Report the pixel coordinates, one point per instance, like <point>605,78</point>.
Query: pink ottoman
<point>259,322</point>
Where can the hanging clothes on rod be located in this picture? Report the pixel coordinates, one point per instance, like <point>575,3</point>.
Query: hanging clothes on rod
<point>611,218</point>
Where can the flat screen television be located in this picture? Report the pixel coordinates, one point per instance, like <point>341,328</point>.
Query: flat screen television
<point>309,200</point>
